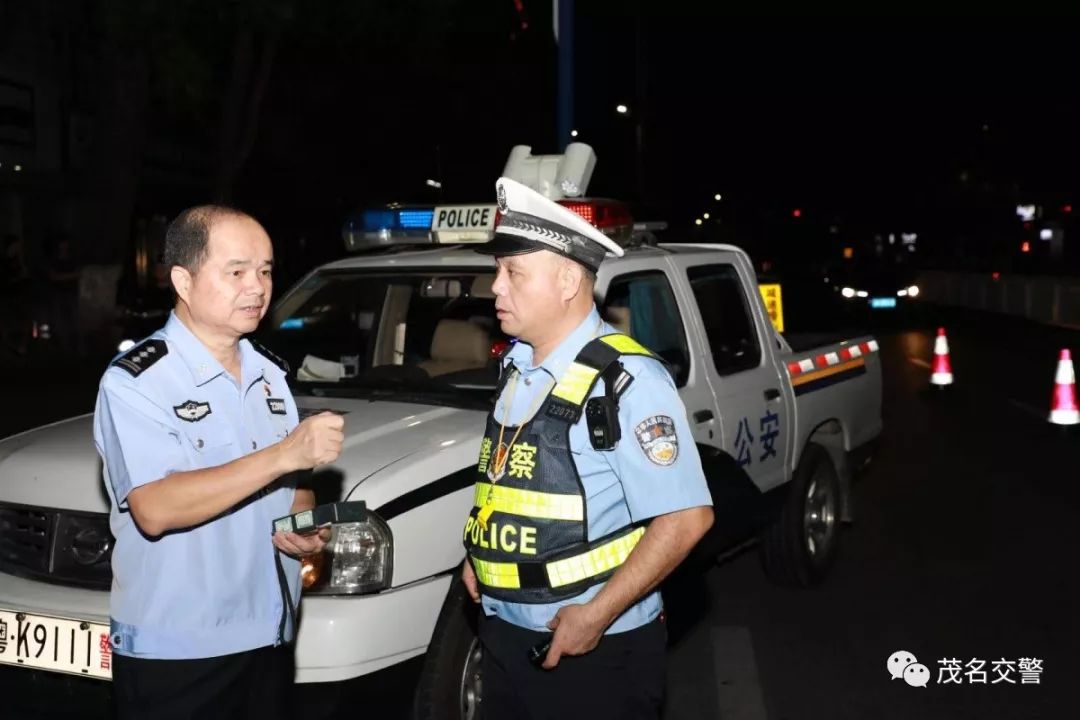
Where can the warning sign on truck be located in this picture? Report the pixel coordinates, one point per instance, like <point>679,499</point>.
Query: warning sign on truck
<point>774,304</point>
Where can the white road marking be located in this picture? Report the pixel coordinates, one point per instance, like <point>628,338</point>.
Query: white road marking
<point>712,673</point>
<point>737,681</point>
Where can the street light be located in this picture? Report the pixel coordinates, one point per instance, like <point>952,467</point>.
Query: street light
<point>433,183</point>
<point>705,215</point>
<point>718,197</point>
<point>622,109</point>
<point>573,133</point>
<point>698,221</point>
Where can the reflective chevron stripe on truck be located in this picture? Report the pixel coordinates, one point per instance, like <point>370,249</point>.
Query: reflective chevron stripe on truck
<point>818,371</point>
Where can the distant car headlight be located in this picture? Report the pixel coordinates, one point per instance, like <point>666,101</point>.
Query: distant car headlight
<point>848,292</point>
<point>902,293</point>
<point>358,559</point>
<point>913,291</point>
<point>862,293</point>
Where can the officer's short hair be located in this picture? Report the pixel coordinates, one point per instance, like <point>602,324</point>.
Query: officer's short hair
<point>187,239</point>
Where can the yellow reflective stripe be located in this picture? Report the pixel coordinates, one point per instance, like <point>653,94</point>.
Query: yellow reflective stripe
<point>595,562</point>
<point>575,383</point>
<point>625,344</point>
<point>528,503</point>
<point>496,575</point>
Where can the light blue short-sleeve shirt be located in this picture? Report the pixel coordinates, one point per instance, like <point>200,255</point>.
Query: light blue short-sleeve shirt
<point>212,589</point>
<point>622,486</point>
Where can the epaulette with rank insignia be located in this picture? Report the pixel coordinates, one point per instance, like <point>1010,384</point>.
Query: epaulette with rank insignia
<point>270,355</point>
<point>142,356</point>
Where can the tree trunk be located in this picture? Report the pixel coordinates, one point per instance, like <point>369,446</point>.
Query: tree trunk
<point>243,103</point>
<point>112,180</point>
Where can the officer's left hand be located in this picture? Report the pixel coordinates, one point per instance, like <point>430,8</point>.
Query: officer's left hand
<point>296,545</point>
<point>578,630</point>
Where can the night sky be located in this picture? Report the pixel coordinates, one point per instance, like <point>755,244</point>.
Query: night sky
<point>883,126</point>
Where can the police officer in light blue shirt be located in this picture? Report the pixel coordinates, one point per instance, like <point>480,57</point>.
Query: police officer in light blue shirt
<point>201,445</point>
<point>589,490</point>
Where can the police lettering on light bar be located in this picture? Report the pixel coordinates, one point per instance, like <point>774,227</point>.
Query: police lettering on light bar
<point>463,218</point>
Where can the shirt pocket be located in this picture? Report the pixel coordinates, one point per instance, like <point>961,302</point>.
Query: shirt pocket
<point>210,444</point>
<point>579,438</point>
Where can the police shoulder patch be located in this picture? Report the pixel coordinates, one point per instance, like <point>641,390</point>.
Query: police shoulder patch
<point>657,439</point>
<point>142,356</point>
<point>269,355</point>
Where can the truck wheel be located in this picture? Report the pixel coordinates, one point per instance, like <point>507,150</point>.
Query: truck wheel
<point>798,548</point>
<point>450,682</point>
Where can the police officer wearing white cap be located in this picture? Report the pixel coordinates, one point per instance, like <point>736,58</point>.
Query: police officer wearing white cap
<point>589,490</point>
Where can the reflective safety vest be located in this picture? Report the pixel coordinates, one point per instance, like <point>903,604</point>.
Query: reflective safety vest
<point>532,544</point>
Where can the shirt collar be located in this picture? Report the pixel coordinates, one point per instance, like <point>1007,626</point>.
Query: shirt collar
<point>559,359</point>
<point>203,366</point>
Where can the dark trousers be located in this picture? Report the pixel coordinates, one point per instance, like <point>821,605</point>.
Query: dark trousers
<point>622,679</point>
<point>253,684</point>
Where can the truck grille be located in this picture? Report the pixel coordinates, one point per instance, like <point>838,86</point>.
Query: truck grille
<point>56,546</point>
<point>25,535</point>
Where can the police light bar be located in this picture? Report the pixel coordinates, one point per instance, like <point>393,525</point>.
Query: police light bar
<point>610,217</point>
<point>393,225</point>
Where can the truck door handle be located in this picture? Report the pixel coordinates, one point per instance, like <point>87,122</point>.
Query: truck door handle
<point>772,394</point>
<point>703,416</point>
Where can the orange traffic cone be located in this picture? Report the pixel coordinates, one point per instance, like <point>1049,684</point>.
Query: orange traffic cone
<point>1063,410</point>
<point>942,370</point>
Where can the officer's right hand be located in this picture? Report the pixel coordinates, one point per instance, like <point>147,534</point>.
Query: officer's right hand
<point>468,576</point>
<point>316,441</point>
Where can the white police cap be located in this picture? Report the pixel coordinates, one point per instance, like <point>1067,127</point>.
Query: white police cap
<point>532,222</point>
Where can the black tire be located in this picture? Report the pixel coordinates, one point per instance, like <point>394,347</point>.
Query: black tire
<point>799,547</point>
<point>442,692</point>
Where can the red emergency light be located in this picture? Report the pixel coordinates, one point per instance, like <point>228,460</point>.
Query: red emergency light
<point>601,213</point>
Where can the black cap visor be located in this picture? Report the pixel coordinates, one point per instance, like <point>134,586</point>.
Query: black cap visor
<point>505,244</point>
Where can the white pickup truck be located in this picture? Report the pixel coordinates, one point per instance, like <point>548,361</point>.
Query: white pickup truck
<point>403,342</point>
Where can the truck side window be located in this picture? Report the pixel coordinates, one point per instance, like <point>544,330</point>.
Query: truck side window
<point>726,315</point>
<point>643,306</point>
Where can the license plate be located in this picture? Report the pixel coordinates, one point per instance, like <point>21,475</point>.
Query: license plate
<point>882,302</point>
<point>55,644</point>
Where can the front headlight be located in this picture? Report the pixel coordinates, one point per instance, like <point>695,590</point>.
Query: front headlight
<point>913,291</point>
<point>848,292</point>
<point>358,559</point>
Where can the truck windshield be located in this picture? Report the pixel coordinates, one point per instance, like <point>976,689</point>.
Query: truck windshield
<point>401,333</point>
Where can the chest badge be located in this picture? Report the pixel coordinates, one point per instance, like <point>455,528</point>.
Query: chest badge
<point>497,468</point>
<point>192,411</point>
<point>276,405</point>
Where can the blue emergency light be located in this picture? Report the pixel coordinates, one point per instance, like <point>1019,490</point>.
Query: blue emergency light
<point>388,226</point>
<point>375,221</point>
